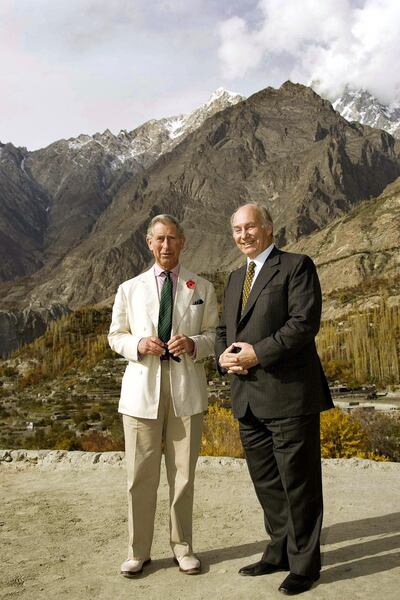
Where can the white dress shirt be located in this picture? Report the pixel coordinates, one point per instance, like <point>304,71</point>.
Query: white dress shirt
<point>259,261</point>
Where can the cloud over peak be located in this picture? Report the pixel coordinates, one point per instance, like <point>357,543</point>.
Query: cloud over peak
<point>330,44</point>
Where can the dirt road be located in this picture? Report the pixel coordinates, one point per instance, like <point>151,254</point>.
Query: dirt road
<point>63,532</point>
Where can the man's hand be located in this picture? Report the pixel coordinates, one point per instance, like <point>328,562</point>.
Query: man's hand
<point>238,362</point>
<point>179,344</point>
<point>151,345</point>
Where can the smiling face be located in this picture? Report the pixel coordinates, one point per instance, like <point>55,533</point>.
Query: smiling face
<point>166,244</point>
<point>250,233</point>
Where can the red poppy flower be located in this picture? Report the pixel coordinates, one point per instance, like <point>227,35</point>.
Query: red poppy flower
<point>191,284</point>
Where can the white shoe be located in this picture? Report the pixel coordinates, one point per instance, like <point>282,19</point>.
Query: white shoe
<point>132,567</point>
<point>188,564</point>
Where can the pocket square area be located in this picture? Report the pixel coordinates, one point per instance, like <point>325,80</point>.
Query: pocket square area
<point>199,301</point>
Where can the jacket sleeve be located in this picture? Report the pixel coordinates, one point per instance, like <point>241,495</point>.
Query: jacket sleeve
<point>304,309</point>
<point>120,337</point>
<point>205,339</point>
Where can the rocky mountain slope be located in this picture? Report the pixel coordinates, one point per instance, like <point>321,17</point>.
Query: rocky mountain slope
<point>286,148</point>
<point>158,136</point>
<point>359,252</point>
<point>23,216</point>
<point>52,198</point>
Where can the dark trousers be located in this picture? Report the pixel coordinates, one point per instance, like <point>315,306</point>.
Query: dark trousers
<point>284,461</point>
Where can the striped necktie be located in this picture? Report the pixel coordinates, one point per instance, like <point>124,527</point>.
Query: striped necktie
<point>165,314</point>
<point>247,284</point>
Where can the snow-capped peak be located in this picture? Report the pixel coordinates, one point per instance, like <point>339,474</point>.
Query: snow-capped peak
<point>155,137</point>
<point>82,140</point>
<point>362,106</point>
<point>220,92</point>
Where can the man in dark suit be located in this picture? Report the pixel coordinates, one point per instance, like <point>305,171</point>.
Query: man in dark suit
<point>266,340</point>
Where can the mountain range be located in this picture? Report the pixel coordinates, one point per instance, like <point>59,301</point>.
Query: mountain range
<point>362,106</point>
<point>73,215</point>
<point>51,198</point>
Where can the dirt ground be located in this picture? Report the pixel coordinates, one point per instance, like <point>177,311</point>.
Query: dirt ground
<point>63,532</point>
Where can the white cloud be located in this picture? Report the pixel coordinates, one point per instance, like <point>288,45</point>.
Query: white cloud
<point>330,43</point>
<point>81,66</point>
<point>240,50</point>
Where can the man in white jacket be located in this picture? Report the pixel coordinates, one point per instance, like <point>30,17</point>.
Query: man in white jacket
<point>164,323</point>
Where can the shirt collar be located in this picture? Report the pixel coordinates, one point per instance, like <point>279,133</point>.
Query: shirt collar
<point>158,271</point>
<point>262,257</point>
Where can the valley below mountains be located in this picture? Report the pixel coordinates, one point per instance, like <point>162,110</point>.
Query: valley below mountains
<point>73,216</point>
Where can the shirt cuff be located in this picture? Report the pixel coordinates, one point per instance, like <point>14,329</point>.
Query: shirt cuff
<point>139,356</point>
<point>193,354</point>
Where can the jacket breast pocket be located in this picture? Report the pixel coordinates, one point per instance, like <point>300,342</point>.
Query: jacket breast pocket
<point>196,308</point>
<point>273,289</point>
<point>195,315</point>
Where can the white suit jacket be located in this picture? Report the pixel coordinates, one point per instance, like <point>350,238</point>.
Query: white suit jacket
<point>135,315</point>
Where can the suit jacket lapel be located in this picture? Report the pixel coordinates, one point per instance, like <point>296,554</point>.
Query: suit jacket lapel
<point>268,270</point>
<point>235,298</point>
<point>183,298</point>
<point>152,301</point>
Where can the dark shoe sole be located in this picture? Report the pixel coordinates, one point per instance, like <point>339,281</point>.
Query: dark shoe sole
<point>133,574</point>
<point>299,591</point>
<point>267,572</point>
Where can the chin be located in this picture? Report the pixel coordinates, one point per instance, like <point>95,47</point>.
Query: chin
<point>168,264</point>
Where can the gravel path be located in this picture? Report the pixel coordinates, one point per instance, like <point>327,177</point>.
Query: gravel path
<point>63,532</point>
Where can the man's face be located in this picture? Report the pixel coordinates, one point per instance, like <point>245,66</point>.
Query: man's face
<point>249,232</point>
<point>166,245</point>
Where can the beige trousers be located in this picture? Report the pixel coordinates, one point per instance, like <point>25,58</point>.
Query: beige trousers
<point>145,439</point>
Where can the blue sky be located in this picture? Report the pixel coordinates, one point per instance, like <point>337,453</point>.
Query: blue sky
<point>80,66</point>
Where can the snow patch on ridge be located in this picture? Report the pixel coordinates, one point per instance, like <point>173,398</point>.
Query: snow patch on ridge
<point>175,125</point>
<point>361,106</point>
<point>148,141</point>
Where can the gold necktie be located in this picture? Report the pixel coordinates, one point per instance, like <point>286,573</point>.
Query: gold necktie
<point>247,284</point>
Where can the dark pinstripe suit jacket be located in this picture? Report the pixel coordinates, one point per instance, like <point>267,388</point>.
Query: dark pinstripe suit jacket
<point>281,320</point>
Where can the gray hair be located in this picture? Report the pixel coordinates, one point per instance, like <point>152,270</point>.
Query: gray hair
<point>264,213</point>
<point>164,218</point>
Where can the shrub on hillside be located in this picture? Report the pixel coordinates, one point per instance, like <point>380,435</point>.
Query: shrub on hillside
<point>96,441</point>
<point>338,370</point>
<point>58,438</point>
<point>382,432</point>
<point>221,434</point>
<point>342,436</point>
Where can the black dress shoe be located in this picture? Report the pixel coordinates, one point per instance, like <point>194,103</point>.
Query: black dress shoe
<point>261,568</point>
<point>296,584</point>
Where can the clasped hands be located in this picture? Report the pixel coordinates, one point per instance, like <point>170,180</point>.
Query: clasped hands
<point>238,362</point>
<point>177,345</point>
